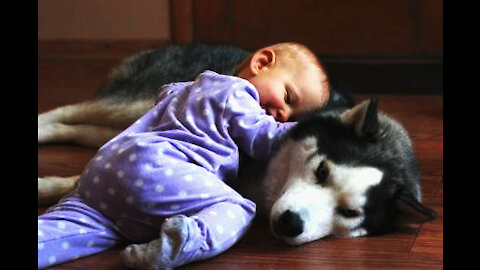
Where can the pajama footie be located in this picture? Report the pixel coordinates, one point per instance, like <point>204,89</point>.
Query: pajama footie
<point>71,229</point>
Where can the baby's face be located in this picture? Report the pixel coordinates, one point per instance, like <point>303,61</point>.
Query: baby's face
<point>288,93</point>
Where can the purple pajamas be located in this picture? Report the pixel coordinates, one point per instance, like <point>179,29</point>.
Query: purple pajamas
<point>71,229</point>
<point>177,160</point>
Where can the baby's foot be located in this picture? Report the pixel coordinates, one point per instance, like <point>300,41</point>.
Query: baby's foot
<point>162,253</point>
<point>143,256</point>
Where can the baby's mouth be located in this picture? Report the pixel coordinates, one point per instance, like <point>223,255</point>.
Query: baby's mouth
<point>267,111</point>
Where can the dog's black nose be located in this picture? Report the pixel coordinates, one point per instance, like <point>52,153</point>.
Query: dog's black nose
<point>289,224</point>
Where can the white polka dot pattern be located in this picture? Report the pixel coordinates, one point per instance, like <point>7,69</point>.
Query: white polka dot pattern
<point>175,158</point>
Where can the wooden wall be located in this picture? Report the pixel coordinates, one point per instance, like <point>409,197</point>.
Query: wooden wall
<point>346,28</point>
<point>105,20</point>
<point>335,28</point>
<point>370,46</point>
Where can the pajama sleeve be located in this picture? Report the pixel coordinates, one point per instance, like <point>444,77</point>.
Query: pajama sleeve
<point>250,127</point>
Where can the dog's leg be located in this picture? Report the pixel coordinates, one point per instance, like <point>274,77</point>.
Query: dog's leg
<point>102,112</point>
<point>53,188</point>
<point>90,123</point>
<point>86,135</point>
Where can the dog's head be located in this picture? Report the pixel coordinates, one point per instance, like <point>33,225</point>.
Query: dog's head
<point>346,174</point>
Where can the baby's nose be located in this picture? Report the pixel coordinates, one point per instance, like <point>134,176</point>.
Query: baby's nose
<point>279,115</point>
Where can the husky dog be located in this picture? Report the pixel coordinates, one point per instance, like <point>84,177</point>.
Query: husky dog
<point>344,170</point>
<point>354,173</point>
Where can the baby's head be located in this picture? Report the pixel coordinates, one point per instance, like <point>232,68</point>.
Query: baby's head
<point>289,78</point>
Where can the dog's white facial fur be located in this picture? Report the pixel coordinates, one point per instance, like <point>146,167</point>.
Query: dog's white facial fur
<point>291,185</point>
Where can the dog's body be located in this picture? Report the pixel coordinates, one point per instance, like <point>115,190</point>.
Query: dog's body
<point>353,171</point>
<point>130,92</point>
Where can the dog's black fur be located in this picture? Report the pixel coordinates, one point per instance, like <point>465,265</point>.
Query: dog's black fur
<point>142,75</point>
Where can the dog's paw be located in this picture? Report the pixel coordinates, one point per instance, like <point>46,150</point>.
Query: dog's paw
<point>43,122</point>
<point>52,188</point>
<point>49,126</point>
<point>43,119</point>
<point>45,132</point>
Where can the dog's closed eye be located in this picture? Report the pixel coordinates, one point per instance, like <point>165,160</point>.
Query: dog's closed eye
<point>348,213</point>
<point>322,172</point>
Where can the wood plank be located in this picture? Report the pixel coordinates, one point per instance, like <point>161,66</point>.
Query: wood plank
<point>430,185</point>
<point>439,191</point>
<point>430,237</point>
<point>63,160</point>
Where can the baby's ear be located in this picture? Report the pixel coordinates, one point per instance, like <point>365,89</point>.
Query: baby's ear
<point>261,59</point>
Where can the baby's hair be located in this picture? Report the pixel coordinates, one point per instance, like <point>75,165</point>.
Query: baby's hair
<point>288,51</point>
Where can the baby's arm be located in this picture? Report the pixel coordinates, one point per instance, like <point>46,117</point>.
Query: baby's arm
<point>167,89</point>
<point>251,128</point>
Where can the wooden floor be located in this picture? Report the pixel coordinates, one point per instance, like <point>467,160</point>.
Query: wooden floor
<point>71,77</point>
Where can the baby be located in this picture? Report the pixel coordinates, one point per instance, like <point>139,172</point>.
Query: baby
<point>164,180</point>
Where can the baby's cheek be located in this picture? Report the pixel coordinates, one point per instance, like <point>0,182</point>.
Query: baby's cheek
<point>277,102</point>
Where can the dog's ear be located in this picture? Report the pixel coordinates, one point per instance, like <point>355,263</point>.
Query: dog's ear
<point>363,118</point>
<point>411,210</point>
